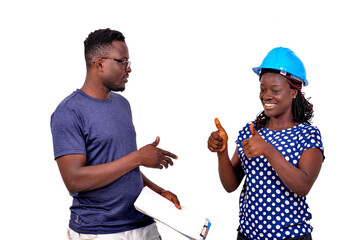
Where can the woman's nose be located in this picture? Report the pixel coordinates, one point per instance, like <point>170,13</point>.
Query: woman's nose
<point>267,96</point>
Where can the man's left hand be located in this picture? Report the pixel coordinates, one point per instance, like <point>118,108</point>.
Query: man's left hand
<point>171,197</point>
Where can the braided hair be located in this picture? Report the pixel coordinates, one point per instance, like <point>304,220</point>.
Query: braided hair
<point>302,109</point>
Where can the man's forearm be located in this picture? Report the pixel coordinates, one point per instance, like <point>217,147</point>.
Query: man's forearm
<point>151,185</point>
<point>81,178</point>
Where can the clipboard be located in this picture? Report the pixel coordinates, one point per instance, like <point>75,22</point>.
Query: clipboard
<point>185,221</point>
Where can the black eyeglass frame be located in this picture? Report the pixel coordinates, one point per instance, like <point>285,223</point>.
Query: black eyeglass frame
<point>127,62</point>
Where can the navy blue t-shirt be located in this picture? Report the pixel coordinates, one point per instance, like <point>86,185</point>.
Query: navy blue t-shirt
<point>103,131</point>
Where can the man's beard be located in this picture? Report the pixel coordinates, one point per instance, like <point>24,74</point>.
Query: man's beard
<point>113,87</point>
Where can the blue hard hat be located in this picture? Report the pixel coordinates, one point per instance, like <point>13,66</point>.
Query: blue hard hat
<point>284,60</point>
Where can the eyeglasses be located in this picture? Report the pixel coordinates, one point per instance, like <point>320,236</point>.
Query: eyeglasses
<point>127,63</point>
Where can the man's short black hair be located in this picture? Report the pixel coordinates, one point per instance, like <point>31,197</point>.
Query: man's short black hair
<point>98,43</point>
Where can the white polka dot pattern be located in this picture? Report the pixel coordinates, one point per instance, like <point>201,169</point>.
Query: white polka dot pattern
<point>268,209</point>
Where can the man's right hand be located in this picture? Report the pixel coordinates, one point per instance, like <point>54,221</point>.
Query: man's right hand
<point>154,157</point>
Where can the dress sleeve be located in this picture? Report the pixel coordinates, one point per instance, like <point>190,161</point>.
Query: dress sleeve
<point>67,133</point>
<point>244,133</point>
<point>311,138</point>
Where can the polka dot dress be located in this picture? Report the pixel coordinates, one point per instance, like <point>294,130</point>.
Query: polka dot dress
<point>268,209</point>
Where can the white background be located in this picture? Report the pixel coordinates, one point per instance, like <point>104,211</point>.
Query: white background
<point>191,62</point>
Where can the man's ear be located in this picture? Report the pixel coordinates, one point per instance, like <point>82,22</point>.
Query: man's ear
<point>99,64</point>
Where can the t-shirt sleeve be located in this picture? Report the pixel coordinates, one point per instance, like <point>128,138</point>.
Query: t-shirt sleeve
<point>312,139</point>
<point>68,137</point>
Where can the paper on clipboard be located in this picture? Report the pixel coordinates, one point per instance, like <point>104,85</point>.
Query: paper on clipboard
<point>184,221</point>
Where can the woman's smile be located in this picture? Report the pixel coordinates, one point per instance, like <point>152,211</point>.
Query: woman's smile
<point>269,106</point>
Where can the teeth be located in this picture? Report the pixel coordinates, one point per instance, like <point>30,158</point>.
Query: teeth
<point>269,104</point>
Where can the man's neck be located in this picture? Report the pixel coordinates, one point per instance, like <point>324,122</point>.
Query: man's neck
<point>95,90</point>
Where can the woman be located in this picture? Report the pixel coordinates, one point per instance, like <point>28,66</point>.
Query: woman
<point>279,154</point>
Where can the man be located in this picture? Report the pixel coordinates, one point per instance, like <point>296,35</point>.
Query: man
<point>95,148</point>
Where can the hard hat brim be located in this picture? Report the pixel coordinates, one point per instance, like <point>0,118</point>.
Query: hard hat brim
<point>256,70</point>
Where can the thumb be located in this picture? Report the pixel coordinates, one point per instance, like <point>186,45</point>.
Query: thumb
<point>222,134</point>
<point>156,142</point>
<point>253,130</point>
<point>218,125</point>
